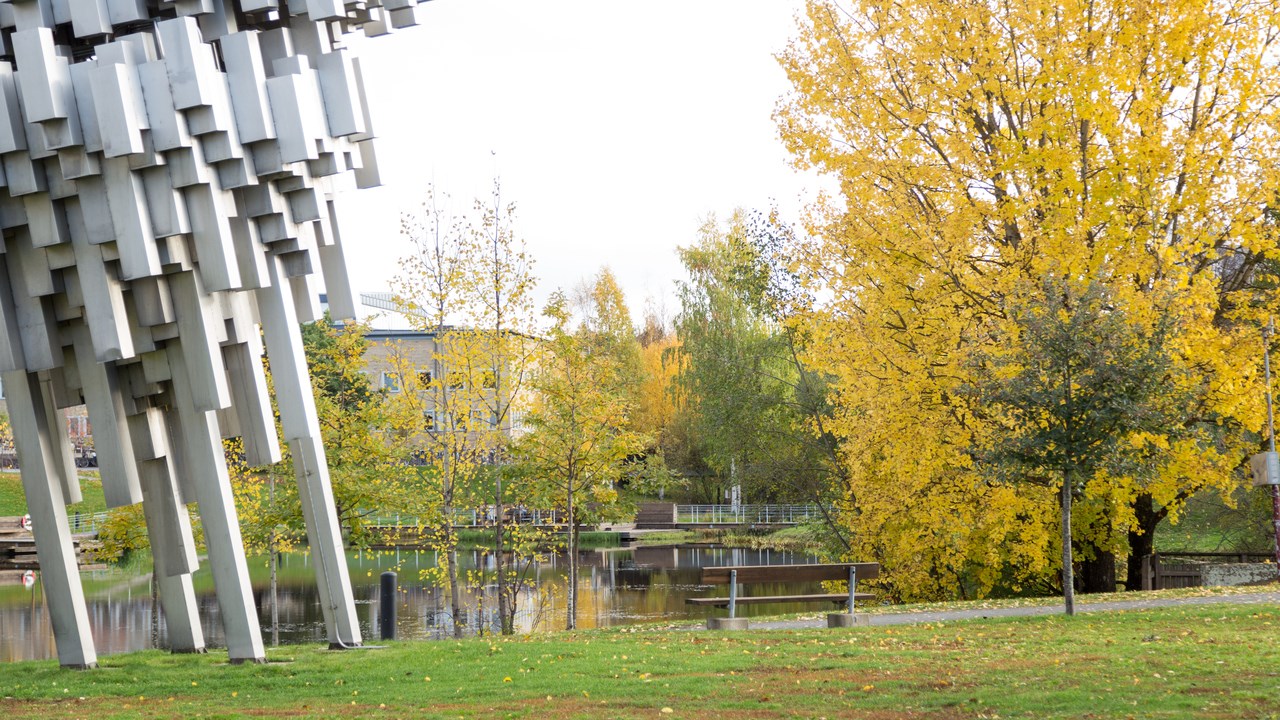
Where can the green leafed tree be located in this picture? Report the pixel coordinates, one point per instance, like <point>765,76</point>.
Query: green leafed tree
<point>755,410</point>
<point>579,425</point>
<point>361,441</point>
<point>1072,395</point>
<point>360,428</point>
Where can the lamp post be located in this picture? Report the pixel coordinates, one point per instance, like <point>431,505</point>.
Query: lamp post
<point>1270,466</point>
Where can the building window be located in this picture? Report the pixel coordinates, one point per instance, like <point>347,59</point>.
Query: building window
<point>391,382</point>
<point>424,378</point>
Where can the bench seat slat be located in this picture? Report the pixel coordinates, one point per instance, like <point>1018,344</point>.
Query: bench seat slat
<point>761,599</point>
<point>789,573</point>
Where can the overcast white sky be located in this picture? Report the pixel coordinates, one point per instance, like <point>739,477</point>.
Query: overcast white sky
<point>615,127</point>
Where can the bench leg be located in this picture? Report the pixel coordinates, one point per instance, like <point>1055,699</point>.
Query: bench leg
<point>733,594</point>
<point>733,622</point>
<point>847,619</point>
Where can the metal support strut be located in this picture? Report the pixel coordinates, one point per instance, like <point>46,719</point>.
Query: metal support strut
<point>853,585</point>
<point>733,593</point>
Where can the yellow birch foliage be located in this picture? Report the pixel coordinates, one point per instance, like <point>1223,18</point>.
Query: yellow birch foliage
<point>655,407</point>
<point>468,285</point>
<point>580,430</point>
<point>980,147</point>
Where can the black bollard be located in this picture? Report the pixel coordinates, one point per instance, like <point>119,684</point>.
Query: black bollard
<point>387,606</point>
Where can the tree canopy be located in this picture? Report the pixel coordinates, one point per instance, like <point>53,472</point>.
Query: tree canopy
<point>981,148</point>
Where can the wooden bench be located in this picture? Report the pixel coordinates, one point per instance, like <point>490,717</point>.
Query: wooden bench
<point>733,576</point>
<point>15,525</point>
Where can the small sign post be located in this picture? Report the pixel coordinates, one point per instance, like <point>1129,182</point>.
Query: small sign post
<point>1266,468</point>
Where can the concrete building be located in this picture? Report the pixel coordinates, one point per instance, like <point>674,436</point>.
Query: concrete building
<point>395,353</point>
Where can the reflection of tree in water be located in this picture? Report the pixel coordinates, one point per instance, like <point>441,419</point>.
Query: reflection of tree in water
<point>618,586</point>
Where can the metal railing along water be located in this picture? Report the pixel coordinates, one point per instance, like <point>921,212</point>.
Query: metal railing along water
<point>747,514</point>
<point>686,514</point>
<point>468,517</point>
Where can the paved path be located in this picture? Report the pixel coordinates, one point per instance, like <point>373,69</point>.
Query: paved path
<point>982,613</point>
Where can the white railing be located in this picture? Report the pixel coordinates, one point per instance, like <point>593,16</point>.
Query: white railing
<point>691,514</point>
<point>747,514</point>
<point>469,517</point>
<point>85,522</point>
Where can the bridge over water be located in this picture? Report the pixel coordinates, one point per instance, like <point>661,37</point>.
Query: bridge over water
<point>651,516</point>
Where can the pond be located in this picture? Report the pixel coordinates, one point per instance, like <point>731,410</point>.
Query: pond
<point>617,586</point>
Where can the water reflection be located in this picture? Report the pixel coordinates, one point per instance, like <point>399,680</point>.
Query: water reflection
<point>618,586</point>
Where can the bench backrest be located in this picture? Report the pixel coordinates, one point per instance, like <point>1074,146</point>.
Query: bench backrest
<point>789,573</point>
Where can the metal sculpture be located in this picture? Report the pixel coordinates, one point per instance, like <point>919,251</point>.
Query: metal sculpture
<point>168,179</point>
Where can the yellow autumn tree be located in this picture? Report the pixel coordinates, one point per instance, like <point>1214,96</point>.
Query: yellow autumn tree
<point>580,430</point>
<point>468,284</point>
<point>981,148</point>
<point>655,405</point>
<point>655,409</point>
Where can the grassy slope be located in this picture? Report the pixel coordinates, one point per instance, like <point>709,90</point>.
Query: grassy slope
<point>13,501</point>
<point>1209,524</point>
<point>1197,662</point>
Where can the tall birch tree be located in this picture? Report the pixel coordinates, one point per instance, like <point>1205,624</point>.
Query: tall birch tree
<point>580,422</point>
<point>468,284</point>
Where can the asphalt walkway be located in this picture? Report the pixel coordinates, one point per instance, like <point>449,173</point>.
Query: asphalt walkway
<point>1259,598</point>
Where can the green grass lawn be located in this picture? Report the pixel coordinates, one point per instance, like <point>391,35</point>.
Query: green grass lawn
<point>14,502</point>
<point>1195,662</point>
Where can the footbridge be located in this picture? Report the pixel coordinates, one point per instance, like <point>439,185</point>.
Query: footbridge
<point>651,516</point>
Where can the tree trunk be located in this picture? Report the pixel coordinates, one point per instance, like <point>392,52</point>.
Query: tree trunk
<point>499,545</point>
<point>449,548</point>
<point>1142,538</point>
<point>451,560</point>
<point>571,605</point>
<point>1068,574</point>
<point>1098,572</point>
<point>506,598</point>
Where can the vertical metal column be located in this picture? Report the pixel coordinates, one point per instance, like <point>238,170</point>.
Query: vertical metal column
<point>387,606</point>
<point>1271,440</point>
<point>853,585</point>
<point>733,593</point>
